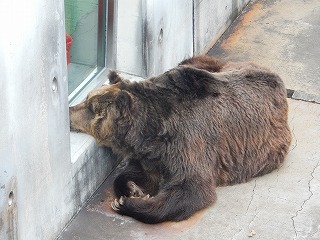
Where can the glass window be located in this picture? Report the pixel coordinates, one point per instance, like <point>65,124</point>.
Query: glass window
<point>86,24</point>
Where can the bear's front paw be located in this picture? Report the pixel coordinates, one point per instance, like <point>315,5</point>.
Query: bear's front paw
<point>119,205</point>
<point>116,204</point>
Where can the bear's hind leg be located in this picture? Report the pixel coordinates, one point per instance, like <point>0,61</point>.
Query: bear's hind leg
<point>133,182</point>
<point>176,203</point>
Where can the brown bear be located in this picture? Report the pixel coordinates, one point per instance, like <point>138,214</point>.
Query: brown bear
<point>202,124</point>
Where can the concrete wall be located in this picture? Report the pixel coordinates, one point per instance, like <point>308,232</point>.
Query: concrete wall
<point>129,42</point>
<point>211,19</point>
<point>153,36</point>
<point>168,34</point>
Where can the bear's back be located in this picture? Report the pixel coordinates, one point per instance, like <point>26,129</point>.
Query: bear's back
<point>238,121</point>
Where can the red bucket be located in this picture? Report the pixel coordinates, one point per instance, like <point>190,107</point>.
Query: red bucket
<point>68,47</point>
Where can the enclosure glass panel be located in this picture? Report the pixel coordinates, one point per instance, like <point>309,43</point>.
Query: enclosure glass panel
<point>85,23</point>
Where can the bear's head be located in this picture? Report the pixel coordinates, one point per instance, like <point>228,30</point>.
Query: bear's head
<point>105,113</point>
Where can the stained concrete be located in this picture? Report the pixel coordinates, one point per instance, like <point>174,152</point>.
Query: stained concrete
<point>281,205</point>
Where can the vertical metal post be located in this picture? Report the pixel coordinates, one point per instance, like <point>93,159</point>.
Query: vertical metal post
<point>111,34</point>
<point>102,10</point>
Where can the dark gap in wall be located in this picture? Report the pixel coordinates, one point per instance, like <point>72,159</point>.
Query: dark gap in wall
<point>290,93</point>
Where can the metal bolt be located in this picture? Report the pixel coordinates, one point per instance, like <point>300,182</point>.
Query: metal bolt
<point>54,84</point>
<point>160,35</point>
<point>10,199</point>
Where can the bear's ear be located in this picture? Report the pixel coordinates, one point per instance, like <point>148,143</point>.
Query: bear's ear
<point>124,101</point>
<point>114,77</point>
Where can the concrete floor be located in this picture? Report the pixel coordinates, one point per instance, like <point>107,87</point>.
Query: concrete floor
<point>283,35</point>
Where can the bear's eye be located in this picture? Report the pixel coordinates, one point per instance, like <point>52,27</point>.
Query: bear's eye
<point>107,104</point>
<point>91,107</point>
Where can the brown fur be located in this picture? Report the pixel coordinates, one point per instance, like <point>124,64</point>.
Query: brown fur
<point>203,124</point>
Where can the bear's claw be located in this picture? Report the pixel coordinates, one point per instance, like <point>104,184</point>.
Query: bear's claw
<point>146,197</point>
<point>121,200</point>
<point>116,204</point>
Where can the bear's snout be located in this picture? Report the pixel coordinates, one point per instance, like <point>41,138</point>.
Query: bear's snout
<point>78,117</point>
<point>70,119</point>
